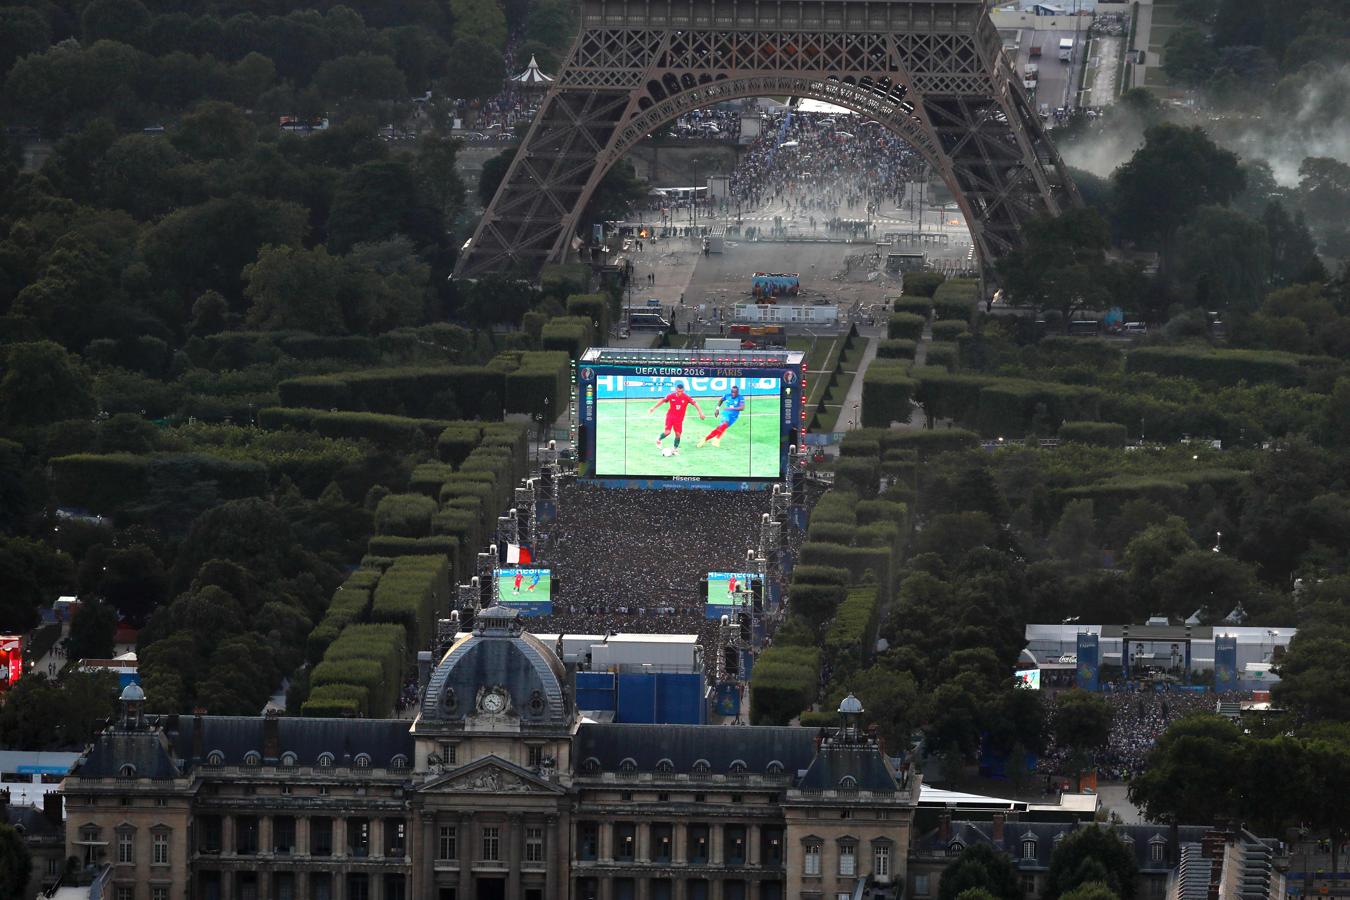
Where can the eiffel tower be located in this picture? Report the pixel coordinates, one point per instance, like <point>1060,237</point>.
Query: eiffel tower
<point>933,73</point>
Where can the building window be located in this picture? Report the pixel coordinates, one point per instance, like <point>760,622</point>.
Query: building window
<point>848,858</point>
<point>811,860</point>
<point>125,892</point>
<point>625,841</point>
<point>320,836</point>
<point>955,848</point>
<point>1029,885</point>
<point>449,752</point>
<point>1029,849</point>
<point>534,757</point>
<point>665,766</point>
<point>358,837</point>
<point>283,834</point>
<point>588,833</point>
<point>921,885</point>
<point>362,761</point>
<point>702,766</point>
<point>159,893</point>
<point>127,771</point>
<point>628,765</point>
<point>881,861</point>
<point>126,847</point>
<point>215,758</point>
<point>398,762</point>
<point>325,760</point>
<point>492,849</point>
<point>534,844</point>
<point>160,848</point>
<point>53,866</point>
<point>288,759</point>
<point>447,847</point>
<point>253,758</point>
<point>774,768</point>
<point>1156,851</point>
<point>395,837</point>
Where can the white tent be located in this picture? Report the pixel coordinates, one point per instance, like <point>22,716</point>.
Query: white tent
<point>533,76</point>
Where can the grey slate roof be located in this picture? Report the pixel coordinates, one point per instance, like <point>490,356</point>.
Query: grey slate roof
<point>116,747</point>
<point>235,736</point>
<point>1141,837</point>
<point>33,822</point>
<point>721,745</point>
<point>862,763</point>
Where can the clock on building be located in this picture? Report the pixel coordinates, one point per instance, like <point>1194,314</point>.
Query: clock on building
<point>493,702</point>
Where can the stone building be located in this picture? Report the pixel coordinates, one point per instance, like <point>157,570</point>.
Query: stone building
<point>497,790</point>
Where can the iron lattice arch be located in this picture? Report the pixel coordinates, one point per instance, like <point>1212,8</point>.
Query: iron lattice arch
<point>933,73</point>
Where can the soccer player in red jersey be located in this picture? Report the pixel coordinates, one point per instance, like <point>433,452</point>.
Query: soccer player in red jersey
<point>515,588</point>
<point>731,586</point>
<point>679,402</point>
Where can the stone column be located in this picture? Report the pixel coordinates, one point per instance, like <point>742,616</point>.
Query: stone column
<point>227,844</point>
<point>715,888</point>
<point>429,849</point>
<point>606,887</point>
<point>376,833</point>
<point>513,836</point>
<point>555,858</point>
<point>264,834</point>
<point>752,845</point>
<point>302,847</point>
<point>465,837</point>
<point>375,885</point>
<point>679,842</point>
<point>642,834</point>
<point>753,889</point>
<point>301,883</point>
<point>227,885</point>
<point>339,838</point>
<point>716,837</point>
<point>643,887</point>
<point>606,853</point>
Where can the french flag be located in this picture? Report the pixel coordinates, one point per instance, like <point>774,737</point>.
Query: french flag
<point>518,554</point>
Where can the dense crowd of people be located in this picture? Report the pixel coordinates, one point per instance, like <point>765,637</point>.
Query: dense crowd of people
<point>1138,719</point>
<point>828,169</point>
<point>632,560</point>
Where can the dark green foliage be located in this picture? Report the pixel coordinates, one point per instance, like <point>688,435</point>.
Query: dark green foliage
<point>905,325</point>
<point>1218,367</point>
<point>573,334</point>
<point>783,684</point>
<point>942,355</point>
<point>413,392</point>
<point>921,305</point>
<point>114,483</point>
<point>1013,408</point>
<point>859,475</point>
<point>887,394</point>
<point>411,593</point>
<point>949,329</point>
<point>405,515</point>
<point>394,432</point>
<point>852,632</point>
<point>1098,434</point>
<point>923,284</point>
<point>930,443</point>
<point>955,299</point>
<point>897,348</point>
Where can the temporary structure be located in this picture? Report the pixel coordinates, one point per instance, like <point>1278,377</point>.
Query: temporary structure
<point>533,76</point>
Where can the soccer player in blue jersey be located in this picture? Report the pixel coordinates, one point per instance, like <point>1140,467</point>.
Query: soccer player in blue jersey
<point>729,409</point>
<point>534,580</point>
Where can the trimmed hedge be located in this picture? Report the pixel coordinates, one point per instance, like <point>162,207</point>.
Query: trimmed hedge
<point>472,391</point>
<point>916,306</point>
<point>905,325</point>
<point>874,511</point>
<point>945,355</point>
<point>803,574</point>
<point>858,475</point>
<point>852,632</point>
<point>570,334</point>
<point>783,684</point>
<point>932,442</point>
<point>859,561</point>
<point>1097,434</point>
<point>944,395</point>
<point>831,532</point>
<point>337,699</point>
<point>1010,406</point>
<point>540,384</point>
<point>405,515</point>
<point>887,394</point>
<point>427,478</point>
<point>815,603</point>
<point>956,298</point>
<point>392,432</point>
<point>111,483</point>
<point>835,506</point>
<point>949,329</point>
<point>367,656</point>
<point>457,441</point>
<point>923,284</point>
<point>1218,367</point>
<point>896,348</point>
<point>594,307</point>
<point>411,593</point>
<point>392,546</point>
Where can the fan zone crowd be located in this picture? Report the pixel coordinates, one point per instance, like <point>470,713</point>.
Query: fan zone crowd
<point>1138,719</point>
<point>632,560</point>
<point>826,168</point>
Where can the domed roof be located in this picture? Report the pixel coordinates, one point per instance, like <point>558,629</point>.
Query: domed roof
<point>498,657</point>
<point>132,693</point>
<point>850,706</point>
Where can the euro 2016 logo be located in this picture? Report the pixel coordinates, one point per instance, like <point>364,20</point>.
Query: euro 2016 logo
<point>587,374</point>
<point>1087,673</point>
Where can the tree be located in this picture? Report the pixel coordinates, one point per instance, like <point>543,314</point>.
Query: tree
<point>136,175</point>
<point>92,630</point>
<point>980,867</point>
<point>552,22</point>
<point>215,130</point>
<point>294,288</point>
<point>1188,774</point>
<point>1060,266</point>
<point>33,573</point>
<point>134,582</point>
<point>1152,552</point>
<point>481,20</point>
<point>492,174</point>
<point>1176,171</point>
<point>1314,681</point>
<point>1091,850</point>
<point>438,175</point>
<point>1188,56</point>
<point>890,700</point>
<point>1324,188</point>
<point>377,201</point>
<point>386,286</point>
<point>1223,259</point>
<point>1293,251</point>
<point>496,299</point>
<point>1082,723</point>
<point>952,535</point>
<point>1205,580</point>
<point>474,69</point>
<point>127,21</point>
<point>1090,890</point>
<point>41,383</point>
<point>22,31</point>
<point>616,192</point>
<point>16,863</point>
<point>1072,539</point>
<point>361,78</point>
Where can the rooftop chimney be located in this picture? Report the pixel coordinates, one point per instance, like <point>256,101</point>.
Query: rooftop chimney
<point>999,819</point>
<point>197,738</point>
<point>945,826</point>
<point>53,808</point>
